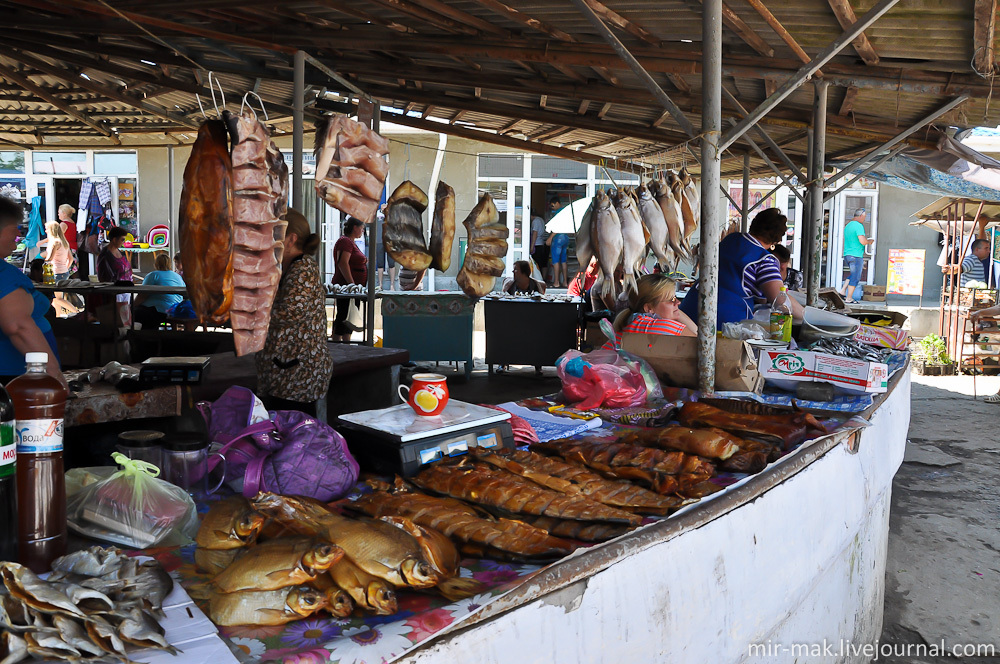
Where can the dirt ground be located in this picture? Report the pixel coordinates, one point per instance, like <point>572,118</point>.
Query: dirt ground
<point>943,568</point>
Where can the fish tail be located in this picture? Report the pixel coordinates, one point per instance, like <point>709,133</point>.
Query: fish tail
<point>457,588</point>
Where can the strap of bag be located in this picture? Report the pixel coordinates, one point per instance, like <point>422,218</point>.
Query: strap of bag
<point>253,478</point>
<point>267,426</point>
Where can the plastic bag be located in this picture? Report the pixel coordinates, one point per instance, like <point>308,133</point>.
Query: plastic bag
<point>607,377</point>
<point>133,508</point>
<point>746,330</point>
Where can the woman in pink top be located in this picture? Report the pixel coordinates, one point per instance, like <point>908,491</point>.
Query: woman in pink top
<point>653,308</point>
<point>58,253</point>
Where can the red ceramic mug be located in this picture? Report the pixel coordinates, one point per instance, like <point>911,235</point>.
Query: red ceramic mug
<point>427,395</point>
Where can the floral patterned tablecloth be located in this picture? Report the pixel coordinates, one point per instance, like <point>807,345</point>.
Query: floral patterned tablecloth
<point>359,638</point>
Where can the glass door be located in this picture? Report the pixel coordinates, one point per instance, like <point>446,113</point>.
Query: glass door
<point>518,220</point>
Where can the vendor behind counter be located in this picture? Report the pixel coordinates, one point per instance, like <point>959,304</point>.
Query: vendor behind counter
<point>747,270</point>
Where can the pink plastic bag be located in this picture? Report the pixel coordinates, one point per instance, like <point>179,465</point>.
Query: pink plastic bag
<point>604,378</point>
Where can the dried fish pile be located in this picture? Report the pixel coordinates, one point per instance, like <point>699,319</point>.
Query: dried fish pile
<point>97,605</point>
<point>351,166</point>
<point>260,184</point>
<point>784,430</point>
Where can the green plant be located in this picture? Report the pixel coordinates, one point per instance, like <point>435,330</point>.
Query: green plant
<point>933,349</point>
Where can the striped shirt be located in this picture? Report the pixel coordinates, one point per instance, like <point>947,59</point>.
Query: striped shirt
<point>648,324</point>
<point>972,270</point>
<point>759,272</point>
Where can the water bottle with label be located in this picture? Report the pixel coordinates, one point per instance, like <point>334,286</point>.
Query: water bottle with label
<point>48,274</point>
<point>781,317</point>
<point>39,407</point>
<point>8,486</point>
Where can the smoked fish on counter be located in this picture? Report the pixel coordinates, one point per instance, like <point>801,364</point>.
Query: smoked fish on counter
<point>466,524</point>
<point>664,472</point>
<point>786,430</point>
<point>206,224</point>
<point>707,442</point>
<point>575,479</point>
<point>507,493</point>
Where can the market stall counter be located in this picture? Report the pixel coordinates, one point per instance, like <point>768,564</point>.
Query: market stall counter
<point>531,331</point>
<point>433,327</point>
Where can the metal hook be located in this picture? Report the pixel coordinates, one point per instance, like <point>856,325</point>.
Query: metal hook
<point>200,107</point>
<point>250,106</point>
<point>222,92</point>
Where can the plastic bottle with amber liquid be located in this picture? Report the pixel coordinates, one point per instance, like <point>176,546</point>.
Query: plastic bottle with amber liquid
<point>39,407</point>
<point>8,490</point>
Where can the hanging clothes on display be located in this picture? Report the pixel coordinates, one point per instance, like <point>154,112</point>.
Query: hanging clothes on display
<point>35,228</point>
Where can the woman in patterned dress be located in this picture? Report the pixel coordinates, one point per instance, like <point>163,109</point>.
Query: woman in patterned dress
<point>294,367</point>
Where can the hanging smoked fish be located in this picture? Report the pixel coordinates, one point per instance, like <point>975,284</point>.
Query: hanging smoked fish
<point>206,224</point>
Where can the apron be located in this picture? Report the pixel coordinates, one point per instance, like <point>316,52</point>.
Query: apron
<point>736,252</point>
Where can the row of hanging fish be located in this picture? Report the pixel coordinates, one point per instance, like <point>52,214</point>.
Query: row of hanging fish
<point>621,229</point>
<point>231,226</point>
<point>97,605</point>
<point>351,166</point>
<point>403,231</point>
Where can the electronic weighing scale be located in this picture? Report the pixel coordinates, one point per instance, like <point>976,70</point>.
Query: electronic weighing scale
<point>397,440</point>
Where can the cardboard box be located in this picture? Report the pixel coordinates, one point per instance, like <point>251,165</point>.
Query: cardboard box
<point>833,298</point>
<point>896,319</point>
<point>873,293</point>
<point>854,376</point>
<point>883,337</point>
<point>675,360</point>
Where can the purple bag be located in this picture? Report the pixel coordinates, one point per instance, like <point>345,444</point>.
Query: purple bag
<point>289,453</point>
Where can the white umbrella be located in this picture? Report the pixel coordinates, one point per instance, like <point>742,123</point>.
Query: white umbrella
<point>569,218</point>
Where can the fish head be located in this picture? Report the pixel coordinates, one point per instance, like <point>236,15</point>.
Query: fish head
<point>382,598</point>
<point>418,573</point>
<point>338,602</point>
<point>249,524</point>
<point>322,556</point>
<point>642,192</point>
<point>305,600</point>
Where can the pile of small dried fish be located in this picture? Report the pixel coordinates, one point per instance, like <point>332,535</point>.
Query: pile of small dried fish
<point>351,166</point>
<point>97,605</point>
<point>229,525</point>
<point>851,348</point>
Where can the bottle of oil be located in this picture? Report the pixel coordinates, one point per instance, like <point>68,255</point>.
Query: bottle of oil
<point>781,317</point>
<point>39,407</point>
<point>48,274</point>
<point>8,491</point>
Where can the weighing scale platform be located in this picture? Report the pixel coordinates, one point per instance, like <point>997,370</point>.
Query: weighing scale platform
<point>397,440</point>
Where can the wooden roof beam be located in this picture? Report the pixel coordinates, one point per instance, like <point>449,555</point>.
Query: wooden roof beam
<point>101,89</point>
<point>458,116</point>
<point>50,98</point>
<point>604,110</point>
<point>561,132</point>
<point>606,74</point>
<point>733,21</point>
<point>568,72</point>
<point>495,139</point>
<point>461,17</point>
<point>507,127</point>
<point>623,23</point>
<point>429,17</point>
<point>983,36</point>
<point>584,105</point>
<point>347,8</point>
<point>679,83</point>
<point>844,12</point>
<point>106,10</point>
<point>520,17</point>
<point>850,94</point>
<point>780,30</point>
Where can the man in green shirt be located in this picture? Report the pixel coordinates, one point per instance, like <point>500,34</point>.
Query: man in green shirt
<point>854,253</point>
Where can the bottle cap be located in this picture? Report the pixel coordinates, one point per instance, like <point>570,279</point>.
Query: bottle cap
<point>36,358</point>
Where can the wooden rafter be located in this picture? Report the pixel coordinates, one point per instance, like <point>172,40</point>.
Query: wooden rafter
<point>507,127</point>
<point>850,94</point>
<point>42,93</point>
<point>679,83</point>
<point>429,17</point>
<point>780,30</point>
<point>561,132</point>
<point>100,88</point>
<point>458,116</point>
<point>619,21</point>
<point>584,105</point>
<point>524,19</point>
<point>844,12</point>
<point>983,36</point>
<point>348,8</point>
<point>461,17</point>
<point>660,120</point>
<point>733,21</point>
<point>105,10</point>
<point>604,110</point>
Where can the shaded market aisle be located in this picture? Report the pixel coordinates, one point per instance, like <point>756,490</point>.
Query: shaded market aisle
<point>943,567</point>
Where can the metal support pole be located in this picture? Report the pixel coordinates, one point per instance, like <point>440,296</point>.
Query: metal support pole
<point>637,68</point>
<point>711,180</point>
<point>298,105</point>
<point>171,217</point>
<point>745,211</point>
<point>889,155</point>
<point>763,199</point>
<point>372,258</point>
<point>803,74</point>
<point>771,164</point>
<point>816,190</point>
<point>765,136</point>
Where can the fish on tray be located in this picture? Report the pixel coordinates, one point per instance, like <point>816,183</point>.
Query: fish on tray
<point>230,524</point>
<point>508,493</point>
<point>369,592</point>
<point>707,442</point>
<point>572,478</point>
<point>265,607</point>
<point>278,563</point>
<point>664,472</point>
<point>786,430</point>
<point>466,524</point>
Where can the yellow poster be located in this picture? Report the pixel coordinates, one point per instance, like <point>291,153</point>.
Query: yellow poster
<point>126,192</point>
<point>906,272</point>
